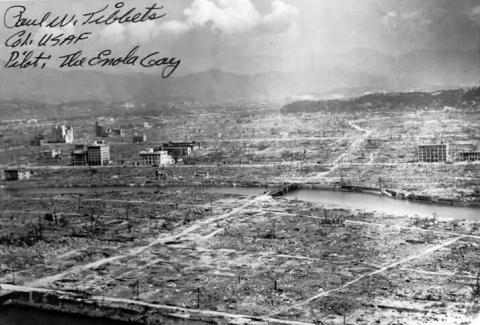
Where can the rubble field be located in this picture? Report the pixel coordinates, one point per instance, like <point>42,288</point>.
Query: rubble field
<point>42,235</point>
<point>256,256</point>
<point>373,147</point>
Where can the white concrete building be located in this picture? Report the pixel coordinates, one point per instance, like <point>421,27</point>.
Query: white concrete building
<point>62,134</point>
<point>153,157</point>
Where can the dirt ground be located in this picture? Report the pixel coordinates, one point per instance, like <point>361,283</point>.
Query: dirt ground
<point>252,255</point>
<point>375,148</point>
<point>286,259</point>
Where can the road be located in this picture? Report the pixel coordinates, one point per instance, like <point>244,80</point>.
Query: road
<point>46,281</point>
<point>380,270</point>
<point>295,163</point>
<point>354,146</point>
<point>234,318</point>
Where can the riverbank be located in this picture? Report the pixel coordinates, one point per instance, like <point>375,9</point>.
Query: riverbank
<point>271,187</point>
<point>445,184</point>
<point>125,311</point>
<point>414,197</point>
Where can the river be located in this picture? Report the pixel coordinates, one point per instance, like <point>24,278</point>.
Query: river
<point>354,200</point>
<point>384,204</point>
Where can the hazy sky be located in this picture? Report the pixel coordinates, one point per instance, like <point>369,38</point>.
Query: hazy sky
<point>202,32</point>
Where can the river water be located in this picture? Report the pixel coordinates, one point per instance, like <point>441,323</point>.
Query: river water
<point>384,204</point>
<point>354,200</point>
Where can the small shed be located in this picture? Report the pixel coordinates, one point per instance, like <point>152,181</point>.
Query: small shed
<point>17,174</point>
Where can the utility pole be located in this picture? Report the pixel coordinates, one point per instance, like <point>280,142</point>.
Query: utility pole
<point>13,273</point>
<point>138,289</point>
<point>273,229</point>
<point>91,224</point>
<point>198,298</point>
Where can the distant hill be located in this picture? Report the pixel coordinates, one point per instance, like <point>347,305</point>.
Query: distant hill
<point>326,74</point>
<point>472,95</point>
<point>54,86</point>
<point>388,101</point>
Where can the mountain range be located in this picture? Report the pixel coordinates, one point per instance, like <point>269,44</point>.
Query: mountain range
<point>325,75</point>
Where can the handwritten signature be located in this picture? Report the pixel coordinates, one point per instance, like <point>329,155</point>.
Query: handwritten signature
<point>16,16</point>
<point>27,59</point>
<point>24,38</point>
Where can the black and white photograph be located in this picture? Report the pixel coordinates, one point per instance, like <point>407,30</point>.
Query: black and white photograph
<point>240,162</point>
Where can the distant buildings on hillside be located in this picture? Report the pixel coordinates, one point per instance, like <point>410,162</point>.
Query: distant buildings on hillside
<point>142,138</point>
<point>432,153</point>
<point>468,156</point>
<point>38,141</point>
<point>168,153</point>
<point>102,131</point>
<point>440,153</point>
<point>50,154</point>
<point>96,154</point>
<point>16,174</point>
<point>62,134</point>
<point>117,132</point>
<point>155,157</point>
<point>178,150</point>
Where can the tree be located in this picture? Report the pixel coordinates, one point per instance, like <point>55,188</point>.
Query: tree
<point>93,212</point>
<point>476,286</point>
